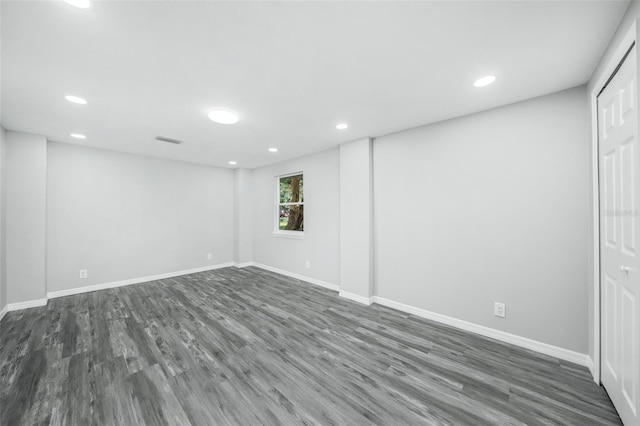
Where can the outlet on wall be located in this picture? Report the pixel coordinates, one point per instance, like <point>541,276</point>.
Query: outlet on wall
<point>209,256</point>
<point>307,264</point>
<point>499,309</point>
<point>83,273</point>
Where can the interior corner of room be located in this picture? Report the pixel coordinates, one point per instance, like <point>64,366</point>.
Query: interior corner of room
<point>129,218</point>
<point>446,221</point>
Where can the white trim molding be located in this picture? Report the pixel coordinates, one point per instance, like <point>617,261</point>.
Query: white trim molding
<point>282,233</point>
<point>114,284</point>
<point>355,297</point>
<point>79,290</point>
<point>104,286</point>
<point>534,345</point>
<point>4,311</point>
<point>330,286</point>
<point>25,305</point>
<point>590,365</point>
<point>295,235</point>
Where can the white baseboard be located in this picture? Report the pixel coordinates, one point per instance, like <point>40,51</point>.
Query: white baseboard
<point>330,286</point>
<point>534,345</point>
<point>591,366</point>
<point>561,353</point>
<point>104,286</point>
<point>25,305</point>
<point>355,297</point>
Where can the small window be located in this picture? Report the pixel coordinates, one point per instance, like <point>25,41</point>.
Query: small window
<point>290,205</point>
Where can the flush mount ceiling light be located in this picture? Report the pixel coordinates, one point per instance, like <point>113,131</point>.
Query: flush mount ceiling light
<point>78,136</point>
<point>484,81</point>
<point>81,4</point>
<point>222,116</point>
<point>273,149</point>
<point>233,163</point>
<point>75,99</point>
<point>342,126</point>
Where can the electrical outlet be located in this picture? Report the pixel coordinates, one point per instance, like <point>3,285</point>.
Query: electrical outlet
<point>499,310</point>
<point>83,273</point>
<point>307,264</point>
<point>209,256</point>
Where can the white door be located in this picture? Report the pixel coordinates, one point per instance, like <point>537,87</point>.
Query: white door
<point>619,165</point>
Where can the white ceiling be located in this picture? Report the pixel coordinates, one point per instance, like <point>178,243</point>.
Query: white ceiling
<point>292,70</point>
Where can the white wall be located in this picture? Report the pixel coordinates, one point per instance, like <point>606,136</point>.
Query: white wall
<point>123,216</point>
<point>356,220</point>
<point>3,241</point>
<point>633,13</point>
<point>26,182</point>
<point>321,218</point>
<point>490,207</point>
<point>243,224</point>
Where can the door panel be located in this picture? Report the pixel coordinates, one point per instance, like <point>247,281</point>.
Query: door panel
<point>618,164</point>
<point>627,100</point>
<point>627,199</point>
<point>628,352</point>
<point>610,315</point>
<point>608,194</point>
<point>608,119</point>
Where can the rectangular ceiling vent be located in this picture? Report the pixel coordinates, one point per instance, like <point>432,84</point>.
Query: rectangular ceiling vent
<point>170,140</point>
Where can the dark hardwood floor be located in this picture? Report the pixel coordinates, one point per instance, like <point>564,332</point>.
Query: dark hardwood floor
<point>249,347</point>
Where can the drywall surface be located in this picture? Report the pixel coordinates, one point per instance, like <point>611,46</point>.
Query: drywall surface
<point>123,216</point>
<point>243,232</point>
<point>26,183</point>
<point>356,221</point>
<point>3,229</point>
<point>321,243</point>
<point>491,207</point>
<point>631,15</point>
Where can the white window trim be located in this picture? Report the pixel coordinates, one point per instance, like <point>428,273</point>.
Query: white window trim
<point>277,232</point>
<point>295,235</point>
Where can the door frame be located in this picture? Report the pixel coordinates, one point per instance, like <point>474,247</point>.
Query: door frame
<point>600,81</point>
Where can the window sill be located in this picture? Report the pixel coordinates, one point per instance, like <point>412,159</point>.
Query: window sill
<point>291,234</point>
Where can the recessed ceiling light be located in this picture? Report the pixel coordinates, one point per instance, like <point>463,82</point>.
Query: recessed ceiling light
<point>233,163</point>
<point>222,116</point>
<point>273,149</point>
<point>78,136</point>
<point>75,99</point>
<point>342,126</point>
<point>484,81</point>
<point>82,4</point>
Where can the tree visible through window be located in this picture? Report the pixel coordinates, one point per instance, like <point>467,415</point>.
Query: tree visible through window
<point>290,203</point>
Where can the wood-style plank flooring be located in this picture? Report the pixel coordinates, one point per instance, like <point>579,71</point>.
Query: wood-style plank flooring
<point>250,347</point>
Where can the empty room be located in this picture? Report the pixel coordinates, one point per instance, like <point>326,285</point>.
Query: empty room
<point>319,213</point>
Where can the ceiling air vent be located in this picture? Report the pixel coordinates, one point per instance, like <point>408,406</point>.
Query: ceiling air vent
<point>170,140</point>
